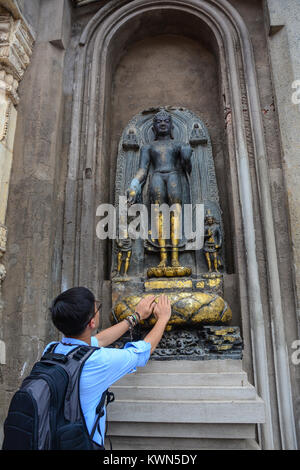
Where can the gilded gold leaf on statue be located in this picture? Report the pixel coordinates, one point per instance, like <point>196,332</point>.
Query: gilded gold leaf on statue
<point>188,308</point>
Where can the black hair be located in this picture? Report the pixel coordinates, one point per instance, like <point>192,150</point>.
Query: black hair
<point>72,310</point>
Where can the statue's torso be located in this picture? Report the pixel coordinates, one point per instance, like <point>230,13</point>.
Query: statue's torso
<point>165,156</point>
<point>211,237</point>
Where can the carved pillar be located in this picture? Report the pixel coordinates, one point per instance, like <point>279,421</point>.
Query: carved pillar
<point>16,42</point>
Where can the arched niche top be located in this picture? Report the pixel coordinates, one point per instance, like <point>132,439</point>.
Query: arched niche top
<point>150,19</point>
<point>117,9</point>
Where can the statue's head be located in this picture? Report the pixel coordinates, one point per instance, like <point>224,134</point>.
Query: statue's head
<point>209,218</point>
<point>162,124</point>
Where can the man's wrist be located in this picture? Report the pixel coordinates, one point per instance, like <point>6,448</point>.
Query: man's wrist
<point>138,315</point>
<point>141,315</point>
<point>162,321</point>
<point>125,322</point>
<point>133,320</point>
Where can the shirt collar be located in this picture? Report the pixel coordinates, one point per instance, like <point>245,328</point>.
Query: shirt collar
<point>74,341</point>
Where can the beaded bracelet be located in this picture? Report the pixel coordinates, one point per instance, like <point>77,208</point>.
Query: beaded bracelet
<point>136,319</point>
<point>137,313</point>
<point>132,320</point>
<point>129,322</point>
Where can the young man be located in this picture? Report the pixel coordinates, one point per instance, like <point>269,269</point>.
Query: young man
<point>76,314</point>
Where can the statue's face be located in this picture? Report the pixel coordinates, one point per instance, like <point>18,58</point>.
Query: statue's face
<point>162,124</point>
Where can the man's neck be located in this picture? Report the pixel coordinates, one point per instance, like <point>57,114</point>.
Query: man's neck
<point>85,337</point>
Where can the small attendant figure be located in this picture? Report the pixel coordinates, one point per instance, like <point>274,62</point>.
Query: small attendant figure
<point>124,254</point>
<point>212,241</point>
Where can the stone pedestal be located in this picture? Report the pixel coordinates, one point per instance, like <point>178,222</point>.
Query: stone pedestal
<point>198,328</point>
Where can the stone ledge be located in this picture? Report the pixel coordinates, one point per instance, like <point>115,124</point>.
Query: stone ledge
<point>186,378</point>
<point>183,430</point>
<point>146,443</point>
<point>228,365</point>
<point>193,392</point>
<point>193,411</point>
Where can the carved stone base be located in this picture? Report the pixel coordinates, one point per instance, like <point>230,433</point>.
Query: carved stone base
<point>199,345</point>
<point>205,343</point>
<point>169,271</point>
<point>199,324</point>
<point>221,339</point>
<point>189,309</point>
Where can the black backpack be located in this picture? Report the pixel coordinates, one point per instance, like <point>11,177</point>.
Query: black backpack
<point>45,413</point>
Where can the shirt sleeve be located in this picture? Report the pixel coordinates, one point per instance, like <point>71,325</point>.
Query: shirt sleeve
<point>124,361</point>
<point>140,350</point>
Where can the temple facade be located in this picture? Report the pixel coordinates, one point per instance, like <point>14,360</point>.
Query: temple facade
<point>101,100</point>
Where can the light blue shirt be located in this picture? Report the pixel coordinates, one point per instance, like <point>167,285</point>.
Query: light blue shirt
<point>103,368</point>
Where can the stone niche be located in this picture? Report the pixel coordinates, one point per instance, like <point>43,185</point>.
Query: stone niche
<point>157,57</point>
<point>151,62</point>
<point>177,64</point>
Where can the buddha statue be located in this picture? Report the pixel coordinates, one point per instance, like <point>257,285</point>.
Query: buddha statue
<point>169,159</point>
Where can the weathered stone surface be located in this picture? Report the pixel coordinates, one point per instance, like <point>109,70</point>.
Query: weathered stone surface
<point>81,3</point>
<point>34,214</point>
<point>6,157</point>
<point>58,33</point>
<point>283,42</point>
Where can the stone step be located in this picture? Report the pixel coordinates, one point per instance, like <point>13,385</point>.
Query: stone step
<point>194,411</point>
<point>187,378</point>
<point>182,430</point>
<point>204,392</point>
<point>222,365</point>
<point>142,443</point>
<point>185,405</point>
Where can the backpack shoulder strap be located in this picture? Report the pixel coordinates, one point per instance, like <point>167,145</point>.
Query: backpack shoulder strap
<point>99,412</point>
<point>109,397</point>
<point>51,348</point>
<point>76,360</point>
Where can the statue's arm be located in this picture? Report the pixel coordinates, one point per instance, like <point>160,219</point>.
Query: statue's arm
<point>186,154</point>
<point>142,172</point>
<point>140,177</point>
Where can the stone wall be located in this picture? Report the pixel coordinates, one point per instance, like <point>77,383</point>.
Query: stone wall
<point>35,207</point>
